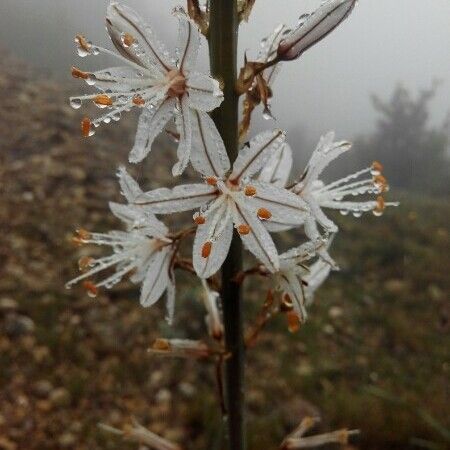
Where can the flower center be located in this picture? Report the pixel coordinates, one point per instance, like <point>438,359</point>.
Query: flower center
<point>176,82</point>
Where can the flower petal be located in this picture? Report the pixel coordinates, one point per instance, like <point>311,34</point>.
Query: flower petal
<point>284,206</point>
<point>258,240</point>
<point>318,273</point>
<point>157,277</point>
<point>204,92</point>
<point>326,151</point>
<point>184,127</point>
<point>151,123</point>
<point>137,218</point>
<point>209,156</point>
<point>218,230</point>
<point>278,167</point>
<point>115,79</point>
<point>251,159</point>
<point>145,49</point>
<point>188,41</point>
<point>181,198</point>
<point>129,187</point>
<point>294,288</point>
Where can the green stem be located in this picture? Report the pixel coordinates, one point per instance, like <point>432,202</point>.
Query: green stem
<point>223,36</point>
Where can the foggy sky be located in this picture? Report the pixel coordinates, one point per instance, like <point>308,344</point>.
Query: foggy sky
<point>382,43</point>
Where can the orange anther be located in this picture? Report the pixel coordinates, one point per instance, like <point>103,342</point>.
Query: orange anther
<point>199,220</point>
<point>264,214</point>
<point>83,234</point>
<point>85,262</point>
<point>212,181</point>
<point>243,229</point>
<point>128,40</point>
<point>250,191</point>
<point>377,166</point>
<point>161,344</point>
<point>83,43</point>
<point>86,126</point>
<point>103,100</point>
<point>77,73</point>
<point>293,321</point>
<point>91,288</point>
<point>138,100</point>
<point>206,249</point>
<point>380,182</point>
<point>380,203</point>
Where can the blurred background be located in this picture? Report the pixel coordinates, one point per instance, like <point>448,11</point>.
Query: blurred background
<point>374,354</point>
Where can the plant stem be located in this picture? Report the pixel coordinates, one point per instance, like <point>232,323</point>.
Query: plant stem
<point>223,35</point>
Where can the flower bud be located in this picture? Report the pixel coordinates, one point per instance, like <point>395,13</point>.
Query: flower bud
<point>318,25</point>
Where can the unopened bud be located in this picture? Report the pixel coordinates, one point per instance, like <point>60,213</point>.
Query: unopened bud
<point>317,26</point>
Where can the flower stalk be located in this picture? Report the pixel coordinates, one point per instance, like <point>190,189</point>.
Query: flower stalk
<point>223,35</point>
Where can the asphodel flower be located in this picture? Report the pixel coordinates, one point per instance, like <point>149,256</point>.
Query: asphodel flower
<point>230,198</point>
<point>145,252</point>
<point>318,195</point>
<point>162,86</point>
<point>312,28</point>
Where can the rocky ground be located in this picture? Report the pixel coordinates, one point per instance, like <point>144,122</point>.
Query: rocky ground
<point>373,356</point>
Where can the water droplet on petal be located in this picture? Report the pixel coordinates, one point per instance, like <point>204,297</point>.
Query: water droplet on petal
<point>76,103</point>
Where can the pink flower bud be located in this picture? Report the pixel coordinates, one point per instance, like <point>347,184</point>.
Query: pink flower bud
<point>314,28</point>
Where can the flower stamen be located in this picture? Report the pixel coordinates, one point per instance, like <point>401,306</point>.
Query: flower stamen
<point>212,181</point>
<point>250,191</point>
<point>103,100</point>
<point>243,229</point>
<point>85,262</point>
<point>264,214</point>
<point>206,249</point>
<point>293,321</point>
<point>78,73</point>
<point>91,289</point>
<point>138,100</point>
<point>380,207</point>
<point>86,127</point>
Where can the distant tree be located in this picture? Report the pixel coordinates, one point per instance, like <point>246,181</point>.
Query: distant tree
<point>414,153</point>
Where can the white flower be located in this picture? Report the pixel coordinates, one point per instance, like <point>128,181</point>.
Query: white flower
<point>312,28</point>
<point>164,87</point>
<point>334,195</point>
<point>227,199</point>
<point>293,279</point>
<point>145,250</point>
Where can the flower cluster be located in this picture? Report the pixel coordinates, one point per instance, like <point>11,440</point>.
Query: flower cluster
<point>251,197</point>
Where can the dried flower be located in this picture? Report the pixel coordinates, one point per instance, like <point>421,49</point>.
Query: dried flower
<point>164,87</point>
<point>296,440</point>
<point>182,348</point>
<point>137,433</point>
